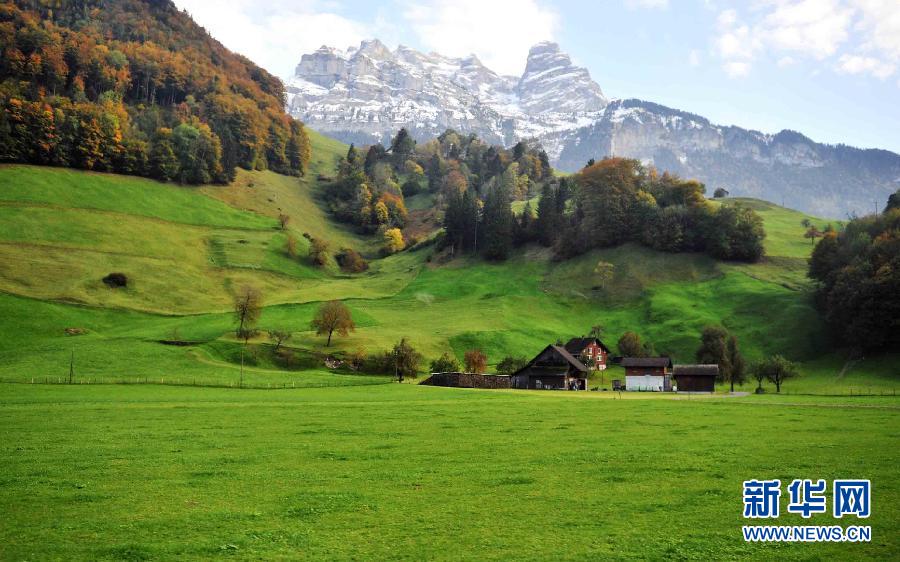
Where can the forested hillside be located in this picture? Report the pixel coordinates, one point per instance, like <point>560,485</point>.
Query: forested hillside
<point>136,87</point>
<point>472,185</point>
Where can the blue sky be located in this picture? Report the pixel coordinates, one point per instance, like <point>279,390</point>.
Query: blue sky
<point>827,68</point>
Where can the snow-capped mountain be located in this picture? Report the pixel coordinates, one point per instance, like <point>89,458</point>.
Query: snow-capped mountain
<point>366,94</point>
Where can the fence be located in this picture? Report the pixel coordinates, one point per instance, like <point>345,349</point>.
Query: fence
<point>199,383</point>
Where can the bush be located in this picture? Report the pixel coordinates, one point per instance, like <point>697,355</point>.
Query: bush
<point>115,280</point>
<point>351,261</point>
<point>410,188</point>
<point>509,365</point>
<point>393,241</point>
<point>318,251</point>
<point>446,363</point>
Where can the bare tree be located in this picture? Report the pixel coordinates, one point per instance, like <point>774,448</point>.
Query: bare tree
<point>283,220</point>
<point>247,309</point>
<point>278,337</point>
<point>333,316</point>
<point>776,369</point>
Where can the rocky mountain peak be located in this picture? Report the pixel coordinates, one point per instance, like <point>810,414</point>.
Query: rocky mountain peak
<point>551,83</point>
<point>365,94</point>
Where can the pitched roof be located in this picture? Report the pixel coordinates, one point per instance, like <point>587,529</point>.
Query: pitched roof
<point>576,345</point>
<point>703,370</point>
<point>646,362</point>
<point>569,357</point>
<point>562,353</point>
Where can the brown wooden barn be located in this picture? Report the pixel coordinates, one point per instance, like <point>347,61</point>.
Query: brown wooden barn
<point>592,352</point>
<point>696,378</point>
<point>554,368</point>
<point>648,374</point>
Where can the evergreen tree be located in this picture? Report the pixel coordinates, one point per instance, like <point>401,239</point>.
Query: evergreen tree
<point>497,229</point>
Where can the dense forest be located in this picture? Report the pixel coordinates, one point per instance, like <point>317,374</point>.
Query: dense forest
<point>858,273</point>
<point>136,87</point>
<point>372,185</point>
<point>607,203</point>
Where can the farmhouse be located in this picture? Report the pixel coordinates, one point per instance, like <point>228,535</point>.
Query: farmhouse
<point>696,378</point>
<point>592,352</point>
<point>648,373</point>
<point>554,368</point>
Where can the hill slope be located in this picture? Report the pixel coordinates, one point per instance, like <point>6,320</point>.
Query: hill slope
<point>186,250</point>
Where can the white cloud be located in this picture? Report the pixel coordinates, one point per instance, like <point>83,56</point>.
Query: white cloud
<point>786,61</point>
<point>856,64</point>
<point>275,34</point>
<point>879,24</point>
<point>736,69</point>
<point>856,36</point>
<point>499,32</point>
<point>811,27</point>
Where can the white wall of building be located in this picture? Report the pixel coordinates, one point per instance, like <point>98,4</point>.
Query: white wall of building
<point>645,383</point>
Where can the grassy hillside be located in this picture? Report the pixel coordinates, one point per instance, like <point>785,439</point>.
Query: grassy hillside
<point>404,472</point>
<point>187,250</point>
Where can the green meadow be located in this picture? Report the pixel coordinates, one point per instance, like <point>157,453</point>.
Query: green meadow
<point>153,454</point>
<point>111,472</point>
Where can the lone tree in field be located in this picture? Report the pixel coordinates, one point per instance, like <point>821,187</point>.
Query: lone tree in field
<point>775,369</point>
<point>597,331</point>
<point>446,363</point>
<point>333,316</point>
<point>476,361</point>
<point>714,350</point>
<point>247,308</point>
<point>278,337</point>
<point>283,220</point>
<point>720,192</point>
<point>406,360</point>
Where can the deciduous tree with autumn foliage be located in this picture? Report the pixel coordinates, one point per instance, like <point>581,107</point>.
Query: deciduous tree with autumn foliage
<point>136,87</point>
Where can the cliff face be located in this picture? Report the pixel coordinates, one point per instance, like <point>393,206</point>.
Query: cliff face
<point>366,94</point>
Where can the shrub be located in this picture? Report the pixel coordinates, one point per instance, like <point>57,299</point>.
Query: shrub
<point>446,363</point>
<point>290,246</point>
<point>115,280</point>
<point>393,241</point>
<point>318,251</point>
<point>509,365</point>
<point>351,261</point>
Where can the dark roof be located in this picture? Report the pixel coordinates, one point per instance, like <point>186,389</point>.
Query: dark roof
<point>646,362</point>
<point>562,353</point>
<point>569,357</point>
<point>576,345</point>
<point>702,370</point>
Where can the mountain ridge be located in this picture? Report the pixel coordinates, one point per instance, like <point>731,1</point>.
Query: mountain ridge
<point>365,94</point>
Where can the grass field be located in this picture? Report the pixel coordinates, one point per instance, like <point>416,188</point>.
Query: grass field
<point>330,464</point>
<point>405,472</point>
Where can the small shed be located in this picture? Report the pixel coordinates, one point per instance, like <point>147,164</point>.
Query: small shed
<point>648,374</point>
<point>696,378</point>
<point>554,368</point>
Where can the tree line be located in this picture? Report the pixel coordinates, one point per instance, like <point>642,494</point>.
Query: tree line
<point>137,88</point>
<point>610,202</point>
<point>857,271</point>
